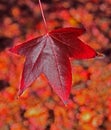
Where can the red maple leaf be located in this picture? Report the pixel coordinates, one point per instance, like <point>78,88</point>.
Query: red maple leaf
<point>49,54</point>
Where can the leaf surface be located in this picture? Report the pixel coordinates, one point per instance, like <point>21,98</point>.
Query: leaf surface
<point>49,54</point>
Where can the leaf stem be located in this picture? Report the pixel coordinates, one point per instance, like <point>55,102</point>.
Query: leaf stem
<point>43,16</point>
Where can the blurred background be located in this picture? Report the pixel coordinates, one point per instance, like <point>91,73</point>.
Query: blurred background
<point>39,108</point>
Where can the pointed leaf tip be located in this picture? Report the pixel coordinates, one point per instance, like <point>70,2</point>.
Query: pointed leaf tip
<point>20,92</point>
<point>13,50</point>
<point>66,102</point>
<point>10,50</point>
<point>100,55</point>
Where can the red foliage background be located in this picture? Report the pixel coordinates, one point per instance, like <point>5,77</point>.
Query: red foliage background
<point>39,108</point>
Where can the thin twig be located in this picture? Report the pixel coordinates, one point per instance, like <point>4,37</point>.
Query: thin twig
<point>43,16</point>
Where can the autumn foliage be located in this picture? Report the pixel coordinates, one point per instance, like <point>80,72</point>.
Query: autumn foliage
<point>39,108</point>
